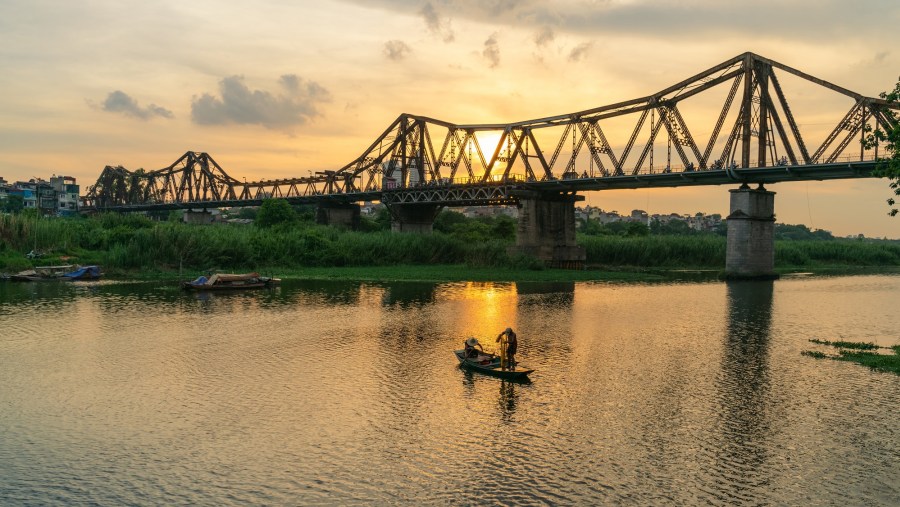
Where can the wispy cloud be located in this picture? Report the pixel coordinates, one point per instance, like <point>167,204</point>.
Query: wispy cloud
<point>122,103</point>
<point>492,51</point>
<point>580,51</point>
<point>396,50</point>
<point>435,24</point>
<point>297,103</point>
<point>544,37</point>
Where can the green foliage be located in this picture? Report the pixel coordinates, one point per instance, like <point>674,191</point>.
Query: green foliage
<point>618,228</point>
<point>860,353</point>
<point>476,230</point>
<point>888,167</point>
<point>839,251</point>
<point>275,212</point>
<point>671,228</point>
<point>132,242</point>
<point>447,220</point>
<point>12,204</point>
<point>247,213</point>
<point>655,251</point>
<point>800,232</point>
<point>847,345</point>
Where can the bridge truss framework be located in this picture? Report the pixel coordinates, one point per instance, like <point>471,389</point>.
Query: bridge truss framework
<point>754,138</point>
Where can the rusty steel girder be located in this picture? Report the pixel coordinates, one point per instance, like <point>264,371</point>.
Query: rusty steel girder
<point>402,164</point>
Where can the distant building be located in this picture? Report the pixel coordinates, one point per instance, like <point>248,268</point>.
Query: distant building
<point>67,191</point>
<point>59,196</point>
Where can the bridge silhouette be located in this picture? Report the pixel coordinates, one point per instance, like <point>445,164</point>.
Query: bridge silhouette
<point>754,139</point>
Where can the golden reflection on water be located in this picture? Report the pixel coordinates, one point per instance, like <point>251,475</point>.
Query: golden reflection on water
<point>337,392</point>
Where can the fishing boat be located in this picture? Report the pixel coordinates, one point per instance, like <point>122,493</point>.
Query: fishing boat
<point>43,273</point>
<point>222,281</point>
<point>84,273</point>
<point>489,364</point>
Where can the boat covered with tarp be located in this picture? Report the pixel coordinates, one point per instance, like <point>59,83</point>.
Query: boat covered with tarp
<point>84,273</point>
<point>223,281</point>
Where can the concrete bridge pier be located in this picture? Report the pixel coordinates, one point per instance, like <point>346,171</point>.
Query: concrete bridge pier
<point>415,218</point>
<point>750,250</point>
<point>344,215</point>
<point>546,229</point>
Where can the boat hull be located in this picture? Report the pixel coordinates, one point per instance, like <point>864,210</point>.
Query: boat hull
<point>491,367</point>
<point>231,282</point>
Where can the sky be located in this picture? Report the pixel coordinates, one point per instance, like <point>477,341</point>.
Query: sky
<point>281,88</point>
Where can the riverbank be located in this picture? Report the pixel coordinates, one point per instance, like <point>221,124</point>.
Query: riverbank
<point>461,272</point>
<point>134,247</point>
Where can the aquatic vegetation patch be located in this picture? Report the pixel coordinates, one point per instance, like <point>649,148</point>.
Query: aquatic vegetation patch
<point>860,353</point>
<point>847,345</point>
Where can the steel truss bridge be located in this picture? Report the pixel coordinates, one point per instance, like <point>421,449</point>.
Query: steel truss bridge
<point>755,138</point>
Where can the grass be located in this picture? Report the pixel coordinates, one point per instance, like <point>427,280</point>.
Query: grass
<point>132,246</point>
<point>860,353</point>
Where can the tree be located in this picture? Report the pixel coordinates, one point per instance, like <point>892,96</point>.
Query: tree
<point>888,167</point>
<point>447,220</point>
<point>13,203</point>
<point>275,211</point>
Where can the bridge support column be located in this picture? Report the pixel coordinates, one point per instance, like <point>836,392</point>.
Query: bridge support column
<point>414,218</point>
<point>750,250</point>
<point>546,229</point>
<point>344,215</point>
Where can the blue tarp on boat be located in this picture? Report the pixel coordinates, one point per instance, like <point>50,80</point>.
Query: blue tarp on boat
<point>84,273</point>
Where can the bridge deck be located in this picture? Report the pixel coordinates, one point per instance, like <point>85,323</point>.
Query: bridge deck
<point>502,192</point>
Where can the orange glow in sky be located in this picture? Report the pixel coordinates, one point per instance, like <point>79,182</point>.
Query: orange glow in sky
<point>275,89</point>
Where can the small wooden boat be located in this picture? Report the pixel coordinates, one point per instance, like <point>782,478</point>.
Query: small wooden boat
<point>44,273</point>
<point>489,364</point>
<point>221,281</point>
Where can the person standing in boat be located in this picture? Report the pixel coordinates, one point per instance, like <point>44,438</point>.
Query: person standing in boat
<point>512,344</point>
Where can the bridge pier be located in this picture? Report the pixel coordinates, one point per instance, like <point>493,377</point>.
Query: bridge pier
<point>750,250</point>
<point>546,229</point>
<point>413,218</point>
<point>344,215</point>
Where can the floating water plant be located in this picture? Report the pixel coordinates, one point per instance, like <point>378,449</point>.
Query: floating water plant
<point>860,353</point>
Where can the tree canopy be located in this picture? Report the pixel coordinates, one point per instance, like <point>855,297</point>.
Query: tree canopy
<point>889,167</point>
<point>275,211</point>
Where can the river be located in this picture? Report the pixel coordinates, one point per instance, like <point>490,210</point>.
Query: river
<point>347,393</point>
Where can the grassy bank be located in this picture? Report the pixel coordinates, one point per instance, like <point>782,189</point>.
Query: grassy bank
<point>132,245</point>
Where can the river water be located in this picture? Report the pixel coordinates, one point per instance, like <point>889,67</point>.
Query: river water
<point>346,393</point>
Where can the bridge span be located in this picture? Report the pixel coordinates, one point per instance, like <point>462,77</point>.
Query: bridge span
<point>419,164</point>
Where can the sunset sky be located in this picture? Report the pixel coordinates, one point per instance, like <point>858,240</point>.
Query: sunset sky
<point>279,88</point>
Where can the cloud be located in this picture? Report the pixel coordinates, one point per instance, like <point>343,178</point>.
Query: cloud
<point>120,102</point>
<point>580,51</point>
<point>435,24</point>
<point>492,51</point>
<point>544,37</point>
<point>296,105</point>
<point>396,50</point>
<point>804,20</point>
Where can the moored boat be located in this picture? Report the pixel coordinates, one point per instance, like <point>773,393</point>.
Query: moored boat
<point>222,281</point>
<point>489,364</point>
<point>84,273</point>
<point>44,273</point>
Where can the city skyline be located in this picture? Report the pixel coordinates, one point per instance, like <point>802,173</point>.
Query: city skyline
<point>279,91</point>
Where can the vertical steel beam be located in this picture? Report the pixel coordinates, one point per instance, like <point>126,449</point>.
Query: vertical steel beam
<point>762,79</point>
<point>747,107</point>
